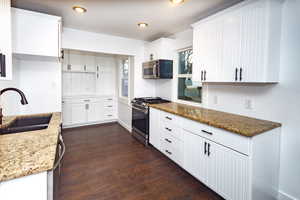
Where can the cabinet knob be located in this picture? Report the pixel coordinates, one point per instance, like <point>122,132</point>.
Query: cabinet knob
<point>168,152</point>
<point>168,129</point>
<point>166,139</point>
<point>204,131</point>
<point>169,118</point>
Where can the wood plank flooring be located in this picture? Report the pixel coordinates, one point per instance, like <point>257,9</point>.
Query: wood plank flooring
<point>104,162</point>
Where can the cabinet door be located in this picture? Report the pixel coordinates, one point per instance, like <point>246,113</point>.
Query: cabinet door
<point>94,111</point>
<point>79,113</point>
<point>35,33</point>
<point>227,172</point>
<point>89,63</point>
<point>66,113</point>
<point>232,46</point>
<point>155,129</point>
<point>76,61</point>
<point>194,158</point>
<point>197,68</point>
<point>253,42</point>
<point>213,51</point>
<point>5,37</point>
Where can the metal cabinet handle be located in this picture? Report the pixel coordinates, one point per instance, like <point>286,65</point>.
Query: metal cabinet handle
<point>84,67</point>
<point>63,146</point>
<point>208,152</point>
<point>69,67</point>
<point>87,100</point>
<point>166,139</point>
<point>97,75</point>
<point>109,106</point>
<point>97,68</point>
<point>109,99</point>
<point>87,106</point>
<point>205,148</point>
<point>169,118</point>
<point>201,75</point>
<point>241,74</point>
<point>204,75</point>
<point>168,129</point>
<point>109,115</point>
<point>204,131</point>
<point>168,152</point>
<point>236,74</point>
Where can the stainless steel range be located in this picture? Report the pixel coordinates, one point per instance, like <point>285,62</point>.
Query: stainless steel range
<point>140,117</point>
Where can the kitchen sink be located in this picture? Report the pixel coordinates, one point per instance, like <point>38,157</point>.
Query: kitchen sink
<point>28,124</point>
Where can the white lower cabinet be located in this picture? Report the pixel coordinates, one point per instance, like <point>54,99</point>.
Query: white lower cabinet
<point>222,169</point>
<point>79,111</point>
<point>234,166</point>
<point>33,187</point>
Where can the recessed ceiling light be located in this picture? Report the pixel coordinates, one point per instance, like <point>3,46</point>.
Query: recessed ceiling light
<point>79,9</point>
<point>177,1</point>
<point>142,25</point>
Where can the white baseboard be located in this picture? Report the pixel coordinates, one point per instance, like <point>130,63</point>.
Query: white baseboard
<point>124,125</point>
<point>283,196</point>
<point>88,124</point>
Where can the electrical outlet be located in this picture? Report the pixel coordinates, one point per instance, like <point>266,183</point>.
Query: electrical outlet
<point>215,100</point>
<point>248,104</point>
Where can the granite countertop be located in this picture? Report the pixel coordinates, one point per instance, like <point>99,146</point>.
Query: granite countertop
<point>27,153</point>
<point>238,124</point>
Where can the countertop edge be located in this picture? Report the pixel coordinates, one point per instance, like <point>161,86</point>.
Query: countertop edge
<point>215,125</point>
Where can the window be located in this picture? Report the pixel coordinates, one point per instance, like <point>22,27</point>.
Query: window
<point>186,90</point>
<point>124,70</point>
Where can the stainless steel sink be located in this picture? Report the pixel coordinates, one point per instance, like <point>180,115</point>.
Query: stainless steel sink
<point>27,124</point>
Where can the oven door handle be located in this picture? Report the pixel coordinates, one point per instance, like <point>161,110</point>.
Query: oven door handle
<point>63,146</point>
<point>141,110</point>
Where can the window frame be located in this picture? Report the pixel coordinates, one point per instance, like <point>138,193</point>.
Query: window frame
<point>194,103</point>
<point>121,77</point>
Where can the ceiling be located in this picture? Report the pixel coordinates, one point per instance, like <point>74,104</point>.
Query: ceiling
<point>120,17</point>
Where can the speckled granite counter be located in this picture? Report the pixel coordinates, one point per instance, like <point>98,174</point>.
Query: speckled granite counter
<point>241,125</point>
<point>27,153</point>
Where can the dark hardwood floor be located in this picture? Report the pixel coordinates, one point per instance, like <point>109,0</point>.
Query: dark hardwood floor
<point>104,162</point>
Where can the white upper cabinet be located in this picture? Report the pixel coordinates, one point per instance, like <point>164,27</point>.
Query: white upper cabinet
<point>36,33</point>
<point>239,44</point>
<point>162,48</point>
<point>5,39</point>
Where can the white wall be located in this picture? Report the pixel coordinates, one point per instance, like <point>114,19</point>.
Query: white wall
<point>277,102</point>
<point>10,101</point>
<point>41,83</point>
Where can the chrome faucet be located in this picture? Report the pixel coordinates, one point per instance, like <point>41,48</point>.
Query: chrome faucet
<point>23,99</point>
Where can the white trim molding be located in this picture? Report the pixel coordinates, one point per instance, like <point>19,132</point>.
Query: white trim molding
<point>126,126</point>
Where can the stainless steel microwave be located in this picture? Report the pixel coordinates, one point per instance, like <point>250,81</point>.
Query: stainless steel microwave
<point>158,69</point>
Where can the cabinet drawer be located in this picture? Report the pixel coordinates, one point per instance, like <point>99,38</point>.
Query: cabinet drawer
<point>109,106</point>
<point>172,129</point>
<point>108,99</point>
<point>172,147</point>
<point>231,140</point>
<point>84,100</point>
<point>169,118</point>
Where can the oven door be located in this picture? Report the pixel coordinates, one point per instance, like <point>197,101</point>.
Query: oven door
<point>140,120</point>
<point>150,70</point>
